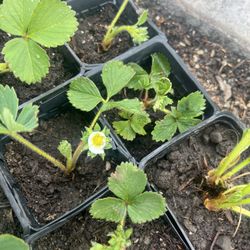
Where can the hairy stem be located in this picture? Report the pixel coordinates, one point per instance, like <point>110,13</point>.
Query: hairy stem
<point>108,37</point>
<point>39,151</point>
<point>80,146</point>
<point>4,68</point>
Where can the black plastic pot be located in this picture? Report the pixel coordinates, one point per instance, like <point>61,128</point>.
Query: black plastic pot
<point>222,118</point>
<point>183,81</point>
<point>168,218</point>
<point>130,15</point>
<point>50,108</point>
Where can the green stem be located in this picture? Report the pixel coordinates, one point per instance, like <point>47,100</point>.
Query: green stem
<point>80,146</point>
<point>108,38</point>
<point>241,210</point>
<point>4,68</point>
<point>236,169</point>
<point>39,151</point>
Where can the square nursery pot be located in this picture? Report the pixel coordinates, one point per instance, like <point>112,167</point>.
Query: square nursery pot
<point>79,231</point>
<point>96,15</point>
<point>64,67</point>
<point>183,84</point>
<point>178,171</point>
<point>38,192</point>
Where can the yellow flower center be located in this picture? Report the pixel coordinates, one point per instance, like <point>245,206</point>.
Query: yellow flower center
<point>98,140</point>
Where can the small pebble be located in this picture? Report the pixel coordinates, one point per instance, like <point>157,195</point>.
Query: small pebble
<point>216,137</point>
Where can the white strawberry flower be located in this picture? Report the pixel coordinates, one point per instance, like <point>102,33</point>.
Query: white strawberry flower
<point>97,142</point>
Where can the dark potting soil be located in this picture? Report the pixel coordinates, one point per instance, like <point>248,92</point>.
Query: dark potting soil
<point>58,73</point>
<point>78,234</point>
<point>91,31</point>
<point>48,191</point>
<point>180,176</point>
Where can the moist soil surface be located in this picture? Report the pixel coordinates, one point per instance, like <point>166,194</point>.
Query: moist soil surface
<point>49,193</point>
<point>91,31</point>
<point>58,73</point>
<point>78,234</point>
<point>180,176</point>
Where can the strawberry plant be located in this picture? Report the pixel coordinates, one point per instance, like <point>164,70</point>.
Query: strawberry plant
<point>138,34</point>
<point>127,183</point>
<point>232,196</point>
<point>33,23</point>
<point>181,117</point>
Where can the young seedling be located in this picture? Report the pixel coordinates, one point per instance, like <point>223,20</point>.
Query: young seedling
<point>127,183</point>
<point>182,117</point>
<point>84,95</point>
<point>10,242</point>
<point>138,34</point>
<point>48,23</point>
<point>233,196</point>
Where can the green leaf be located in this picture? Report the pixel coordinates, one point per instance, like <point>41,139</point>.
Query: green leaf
<point>109,209</point>
<point>28,118</point>
<point>8,100</point>
<point>83,94</point>
<point>185,124</point>
<point>10,242</point>
<point>65,149</point>
<point>165,129</point>
<point>15,16</point>
<point>124,129</point>
<point>160,65</point>
<point>162,102</point>
<point>162,86</point>
<point>26,121</point>
<point>129,105</point>
<point>116,76</point>
<point>140,80</point>
<point>142,18</point>
<point>192,105</point>
<point>53,23</point>
<point>26,59</point>
<point>138,121</point>
<point>127,181</point>
<point>146,207</point>
<point>134,125</point>
<point>138,34</point>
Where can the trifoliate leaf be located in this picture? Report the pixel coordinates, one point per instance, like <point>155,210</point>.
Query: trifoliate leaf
<point>192,105</point>
<point>160,65</point>
<point>162,102</point>
<point>129,105</point>
<point>142,18</point>
<point>52,24</point>
<point>124,129</point>
<point>138,121</point>
<point>185,123</point>
<point>116,76</point>
<point>65,149</point>
<point>26,59</point>
<point>165,129</point>
<point>127,181</point>
<point>134,125</point>
<point>26,121</point>
<point>10,242</point>
<point>83,94</point>
<point>109,209</point>
<point>15,15</point>
<point>146,207</point>
<point>140,80</point>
